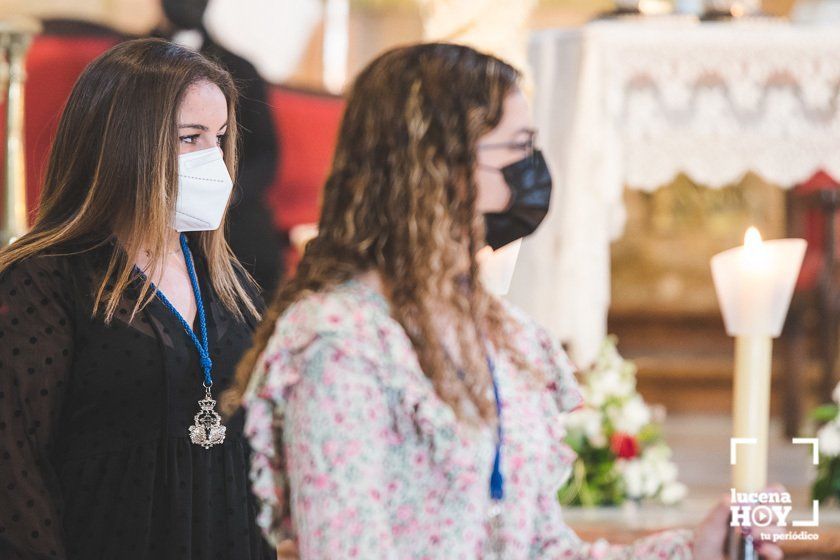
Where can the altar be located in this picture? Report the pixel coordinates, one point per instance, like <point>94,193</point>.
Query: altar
<point>634,103</point>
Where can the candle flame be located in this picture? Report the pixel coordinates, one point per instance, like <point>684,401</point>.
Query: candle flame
<point>755,252</point>
<point>752,238</point>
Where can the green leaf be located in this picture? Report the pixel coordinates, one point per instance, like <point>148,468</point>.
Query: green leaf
<point>825,413</point>
<point>649,434</point>
<point>821,489</point>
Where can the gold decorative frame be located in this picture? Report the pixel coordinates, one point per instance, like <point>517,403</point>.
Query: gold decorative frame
<point>15,37</point>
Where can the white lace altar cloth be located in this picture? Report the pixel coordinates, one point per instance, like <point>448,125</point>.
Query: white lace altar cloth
<point>634,103</point>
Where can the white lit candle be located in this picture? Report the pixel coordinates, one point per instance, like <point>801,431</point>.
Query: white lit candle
<point>754,284</point>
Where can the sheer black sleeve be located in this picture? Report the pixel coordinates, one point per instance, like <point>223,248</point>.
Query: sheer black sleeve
<point>36,352</point>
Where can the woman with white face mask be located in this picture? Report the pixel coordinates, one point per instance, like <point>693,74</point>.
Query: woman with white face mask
<point>122,315</point>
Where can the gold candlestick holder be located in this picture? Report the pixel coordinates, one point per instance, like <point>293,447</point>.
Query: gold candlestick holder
<point>15,37</point>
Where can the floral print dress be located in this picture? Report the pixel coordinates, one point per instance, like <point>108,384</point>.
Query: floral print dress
<point>355,456</point>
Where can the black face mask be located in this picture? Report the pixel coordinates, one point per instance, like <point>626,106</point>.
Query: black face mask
<point>530,192</point>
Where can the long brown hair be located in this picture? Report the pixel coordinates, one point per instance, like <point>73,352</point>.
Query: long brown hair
<point>113,171</point>
<point>400,200</point>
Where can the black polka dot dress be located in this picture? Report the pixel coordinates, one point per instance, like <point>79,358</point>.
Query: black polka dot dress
<point>95,456</point>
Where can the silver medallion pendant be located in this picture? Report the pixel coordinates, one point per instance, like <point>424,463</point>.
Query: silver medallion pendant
<point>207,430</point>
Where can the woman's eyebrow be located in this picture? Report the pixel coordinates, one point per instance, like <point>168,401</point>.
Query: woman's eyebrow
<point>526,129</point>
<point>200,126</point>
<point>196,126</point>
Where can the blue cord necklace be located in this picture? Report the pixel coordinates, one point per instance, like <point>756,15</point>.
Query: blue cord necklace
<point>207,429</point>
<point>497,479</point>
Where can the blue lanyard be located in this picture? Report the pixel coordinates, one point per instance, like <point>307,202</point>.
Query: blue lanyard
<point>497,479</point>
<point>202,346</point>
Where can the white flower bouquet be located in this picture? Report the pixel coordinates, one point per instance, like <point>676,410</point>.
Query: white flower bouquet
<point>827,483</point>
<point>618,440</point>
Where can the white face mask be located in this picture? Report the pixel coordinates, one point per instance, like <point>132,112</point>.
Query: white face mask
<point>204,187</point>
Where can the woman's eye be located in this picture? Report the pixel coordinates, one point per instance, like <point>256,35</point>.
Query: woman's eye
<point>189,139</point>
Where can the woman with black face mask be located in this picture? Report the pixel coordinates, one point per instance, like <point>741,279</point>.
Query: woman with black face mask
<point>396,408</point>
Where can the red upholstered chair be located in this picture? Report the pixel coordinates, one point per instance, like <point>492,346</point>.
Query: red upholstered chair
<point>52,65</point>
<point>813,212</point>
<point>307,123</point>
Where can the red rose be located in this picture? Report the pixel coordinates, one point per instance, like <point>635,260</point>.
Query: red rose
<point>624,445</point>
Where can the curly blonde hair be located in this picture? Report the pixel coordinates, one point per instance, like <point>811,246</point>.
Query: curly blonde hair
<point>401,200</point>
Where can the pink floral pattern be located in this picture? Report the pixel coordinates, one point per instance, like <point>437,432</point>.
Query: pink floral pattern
<point>356,457</point>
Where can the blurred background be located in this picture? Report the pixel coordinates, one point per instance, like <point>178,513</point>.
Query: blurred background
<point>293,59</point>
<point>374,24</point>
